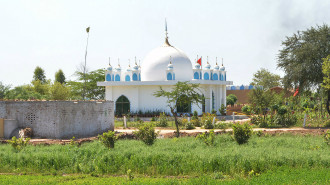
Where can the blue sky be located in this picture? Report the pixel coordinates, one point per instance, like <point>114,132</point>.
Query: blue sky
<point>51,34</point>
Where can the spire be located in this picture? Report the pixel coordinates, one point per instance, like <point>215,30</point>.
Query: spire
<point>222,61</point>
<point>207,59</point>
<point>129,63</point>
<point>170,59</point>
<point>135,61</point>
<point>118,63</point>
<point>216,60</point>
<point>109,62</point>
<point>166,37</point>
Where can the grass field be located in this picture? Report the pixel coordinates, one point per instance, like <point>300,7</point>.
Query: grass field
<point>289,155</point>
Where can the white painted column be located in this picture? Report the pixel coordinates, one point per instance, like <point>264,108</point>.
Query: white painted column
<point>210,88</point>
<point>108,93</point>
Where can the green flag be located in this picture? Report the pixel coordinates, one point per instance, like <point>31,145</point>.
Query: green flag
<point>87,29</point>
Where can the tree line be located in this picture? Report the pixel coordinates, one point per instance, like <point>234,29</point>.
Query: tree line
<point>42,88</point>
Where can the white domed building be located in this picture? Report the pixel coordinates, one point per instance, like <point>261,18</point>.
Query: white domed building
<point>132,89</point>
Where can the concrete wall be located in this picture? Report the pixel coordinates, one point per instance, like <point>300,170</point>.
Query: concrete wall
<point>60,119</point>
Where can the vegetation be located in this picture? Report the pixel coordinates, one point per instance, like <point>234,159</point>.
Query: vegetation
<point>265,79</point>
<point>183,93</point>
<point>60,77</point>
<point>168,157</point>
<point>39,75</point>
<point>326,80</point>
<point>108,139</point>
<point>162,120</point>
<point>242,132</point>
<point>231,99</point>
<point>19,144</point>
<point>207,138</point>
<point>222,110</point>
<point>146,133</point>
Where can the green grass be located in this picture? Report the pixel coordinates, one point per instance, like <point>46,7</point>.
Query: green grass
<point>279,176</point>
<point>132,124</point>
<point>174,157</point>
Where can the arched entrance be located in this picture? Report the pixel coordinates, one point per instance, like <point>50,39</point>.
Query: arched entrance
<point>184,107</point>
<point>122,105</point>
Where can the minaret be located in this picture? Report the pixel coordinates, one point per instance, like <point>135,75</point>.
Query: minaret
<point>166,44</point>
<point>117,73</point>
<point>197,71</point>
<point>222,72</point>
<point>170,71</point>
<point>108,73</point>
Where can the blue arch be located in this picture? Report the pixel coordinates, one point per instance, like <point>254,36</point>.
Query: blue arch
<point>135,77</point>
<point>113,77</point>
<point>196,75</point>
<point>139,77</point>
<point>200,75</point>
<point>225,77</point>
<point>117,78</point>
<point>232,88</point>
<point>127,78</point>
<point>206,76</point>
<point>241,88</point>
<point>169,76</point>
<point>251,87</point>
<point>215,76</point>
<point>108,77</point>
<point>221,77</point>
<point>173,76</point>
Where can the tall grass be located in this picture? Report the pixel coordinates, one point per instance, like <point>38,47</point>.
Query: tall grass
<point>183,156</point>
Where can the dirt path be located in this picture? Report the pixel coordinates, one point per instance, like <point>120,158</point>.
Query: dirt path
<point>169,133</point>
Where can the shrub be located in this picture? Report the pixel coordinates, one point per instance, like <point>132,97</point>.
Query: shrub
<point>130,176</point>
<point>282,110</point>
<point>195,116</point>
<point>189,126</point>
<point>214,111</point>
<point>207,120</point>
<point>182,121</point>
<point>246,109</point>
<point>162,121</point>
<point>73,141</point>
<point>207,138</point>
<point>108,139</point>
<point>222,110</point>
<point>146,133</point>
<point>242,132</point>
<point>259,133</point>
<point>222,125</point>
<point>327,137</point>
<point>285,120</point>
<point>18,144</point>
<point>154,119</point>
<point>195,122</point>
<point>327,123</point>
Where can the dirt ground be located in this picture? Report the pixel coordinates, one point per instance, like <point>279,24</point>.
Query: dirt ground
<point>170,133</point>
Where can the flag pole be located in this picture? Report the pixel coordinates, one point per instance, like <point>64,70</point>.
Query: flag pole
<point>84,94</point>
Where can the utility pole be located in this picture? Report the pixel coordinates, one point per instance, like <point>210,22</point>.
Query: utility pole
<point>84,93</point>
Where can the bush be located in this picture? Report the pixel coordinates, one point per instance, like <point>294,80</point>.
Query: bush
<point>282,110</point>
<point>207,120</point>
<point>222,110</point>
<point>195,122</point>
<point>162,121</point>
<point>208,124</point>
<point>242,132</point>
<point>154,119</point>
<point>18,144</point>
<point>246,109</point>
<point>146,133</point>
<point>108,139</point>
<point>214,111</point>
<point>285,120</point>
<point>222,125</point>
<point>195,116</point>
<point>207,138</point>
<point>327,123</point>
<point>189,126</point>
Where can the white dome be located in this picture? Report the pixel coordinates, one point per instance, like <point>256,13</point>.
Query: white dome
<point>155,64</point>
<point>207,66</point>
<point>197,66</point>
<point>216,67</point>
<point>109,68</point>
<point>222,68</point>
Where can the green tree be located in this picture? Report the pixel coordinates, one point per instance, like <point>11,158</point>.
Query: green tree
<point>24,92</point>
<point>231,99</point>
<point>60,77</point>
<point>326,79</point>
<point>301,57</point>
<point>4,89</point>
<point>182,93</point>
<point>59,91</point>
<point>265,79</point>
<point>41,87</point>
<point>92,90</point>
<point>39,74</point>
<point>261,100</point>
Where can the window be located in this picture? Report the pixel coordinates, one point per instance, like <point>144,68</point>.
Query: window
<point>184,107</point>
<point>122,105</point>
<point>196,75</point>
<point>241,88</point>
<point>135,78</point>
<point>215,76</point>
<point>206,76</point>
<point>127,78</point>
<point>169,76</point>
<point>117,78</point>
<point>108,77</point>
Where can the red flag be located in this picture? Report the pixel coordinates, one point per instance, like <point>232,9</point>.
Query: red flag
<point>199,61</point>
<point>296,93</point>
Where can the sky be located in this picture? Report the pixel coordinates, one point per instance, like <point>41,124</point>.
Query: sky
<point>52,34</point>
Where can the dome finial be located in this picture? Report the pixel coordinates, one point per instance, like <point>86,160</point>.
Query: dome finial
<point>222,61</point>
<point>129,63</point>
<point>118,63</point>
<point>166,37</point>
<point>207,59</point>
<point>135,61</point>
<point>216,60</point>
<point>109,62</point>
<point>170,59</point>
